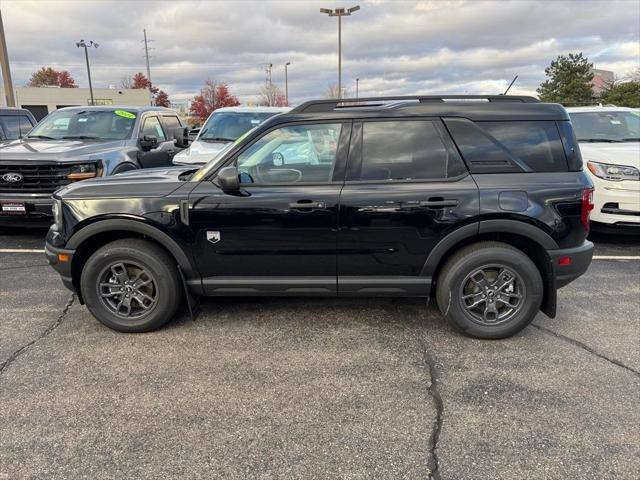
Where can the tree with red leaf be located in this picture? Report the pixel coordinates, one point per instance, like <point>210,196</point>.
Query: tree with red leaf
<point>212,96</point>
<point>48,77</point>
<point>162,99</point>
<point>140,82</point>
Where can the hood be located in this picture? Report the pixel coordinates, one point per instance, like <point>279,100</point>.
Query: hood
<point>199,152</point>
<point>626,153</point>
<point>57,150</point>
<point>149,182</point>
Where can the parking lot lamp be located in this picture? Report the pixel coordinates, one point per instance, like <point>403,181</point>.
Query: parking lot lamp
<point>286,82</point>
<point>340,12</point>
<point>85,45</point>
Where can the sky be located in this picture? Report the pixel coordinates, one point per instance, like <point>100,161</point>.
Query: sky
<point>394,47</point>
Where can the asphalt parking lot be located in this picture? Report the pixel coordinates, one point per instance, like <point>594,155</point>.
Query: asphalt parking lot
<point>317,388</point>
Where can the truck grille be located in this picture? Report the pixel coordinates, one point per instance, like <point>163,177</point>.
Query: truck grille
<point>35,178</point>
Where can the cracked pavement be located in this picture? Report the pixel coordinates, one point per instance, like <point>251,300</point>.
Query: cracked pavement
<point>318,388</point>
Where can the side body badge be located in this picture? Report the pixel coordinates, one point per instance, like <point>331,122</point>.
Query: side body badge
<point>213,236</point>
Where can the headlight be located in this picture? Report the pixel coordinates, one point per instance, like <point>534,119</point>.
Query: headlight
<point>83,171</point>
<point>615,173</point>
<point>56,209</point>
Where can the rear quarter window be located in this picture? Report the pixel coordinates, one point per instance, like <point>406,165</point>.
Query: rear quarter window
<point>505,147</point>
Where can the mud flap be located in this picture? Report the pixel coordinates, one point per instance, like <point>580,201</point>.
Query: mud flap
<point>192,302</point>
<point>550,297</point>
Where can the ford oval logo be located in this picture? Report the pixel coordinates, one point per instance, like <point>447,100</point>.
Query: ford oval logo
<point>12,177</point>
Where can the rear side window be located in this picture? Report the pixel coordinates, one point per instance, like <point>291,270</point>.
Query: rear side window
<point>503,147</point>
<point>170,124</point>
<point>407,150</point>
<point>13,127</point>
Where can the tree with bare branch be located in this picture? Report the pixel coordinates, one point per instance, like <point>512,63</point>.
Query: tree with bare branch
<point>272,96</point>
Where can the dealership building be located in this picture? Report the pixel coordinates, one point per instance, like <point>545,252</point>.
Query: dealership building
<point>43,100</point>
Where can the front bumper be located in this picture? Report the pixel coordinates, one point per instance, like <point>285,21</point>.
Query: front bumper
<point>579,261</point>
<point>616,202</point>
<point>55,258</point>
<point>37,206</point>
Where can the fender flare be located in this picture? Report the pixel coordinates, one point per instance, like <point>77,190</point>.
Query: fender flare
<point>485,226</point>
<point>134,226</point>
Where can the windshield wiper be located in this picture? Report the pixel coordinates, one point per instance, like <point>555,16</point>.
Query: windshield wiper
<point>597,140</point>
<point>80,137</point>
<point>217,139</point>
<point>43,137</point>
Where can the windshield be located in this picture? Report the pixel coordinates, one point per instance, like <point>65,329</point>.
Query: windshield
<point>229,126</point>
<point>86,124</point>
<point>606,126</point>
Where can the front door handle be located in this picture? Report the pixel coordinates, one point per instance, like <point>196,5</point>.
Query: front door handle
<point>307,205</point>
<point>439,203</point>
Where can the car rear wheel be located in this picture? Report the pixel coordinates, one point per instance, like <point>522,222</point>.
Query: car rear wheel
<point>489,290</point>
<point>131,285</point>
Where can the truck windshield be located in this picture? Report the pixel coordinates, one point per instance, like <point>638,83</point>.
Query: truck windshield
<point>86,125</point>
<point>611,126</point>
<point>229,126</point>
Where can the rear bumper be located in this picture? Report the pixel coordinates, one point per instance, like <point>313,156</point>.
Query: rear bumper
<point>579,261</point>
<point>37,206</point>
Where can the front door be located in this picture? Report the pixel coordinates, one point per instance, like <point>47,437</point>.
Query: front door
<point>279,235</point>
<point>406,188</point>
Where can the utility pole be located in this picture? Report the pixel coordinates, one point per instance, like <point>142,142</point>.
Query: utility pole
<point>340,12</point>
<point>269,67</point>
<point>83,44</point>
<point>286,82</point>
<point>357,83</point>
<point>6,71</point>
<point>146,56</point>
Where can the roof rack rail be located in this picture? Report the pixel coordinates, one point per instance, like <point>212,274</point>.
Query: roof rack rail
<point>315,106</point>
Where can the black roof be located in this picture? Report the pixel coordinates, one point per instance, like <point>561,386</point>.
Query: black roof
<point>473,107</point>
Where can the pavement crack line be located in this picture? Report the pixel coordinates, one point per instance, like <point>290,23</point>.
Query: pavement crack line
<point>586,348</point>
<point>433,464</point>
<point>58,321</point>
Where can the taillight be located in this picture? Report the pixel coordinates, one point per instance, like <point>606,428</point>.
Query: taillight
<point>587,206</point>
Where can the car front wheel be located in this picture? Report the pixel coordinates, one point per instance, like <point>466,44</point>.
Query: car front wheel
<point>131,285</point>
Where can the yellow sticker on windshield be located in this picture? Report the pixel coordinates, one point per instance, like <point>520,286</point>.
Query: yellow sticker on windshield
<point>125,114</point>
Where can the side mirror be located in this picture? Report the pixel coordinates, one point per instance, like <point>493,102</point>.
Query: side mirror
<point>148,143</point>
<point>228,180</point>
<point>181,137</point>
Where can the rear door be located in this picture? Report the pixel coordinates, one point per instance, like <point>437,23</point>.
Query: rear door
<point>406,188</point>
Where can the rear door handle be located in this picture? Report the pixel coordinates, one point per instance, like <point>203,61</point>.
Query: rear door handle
<point>439,203</point>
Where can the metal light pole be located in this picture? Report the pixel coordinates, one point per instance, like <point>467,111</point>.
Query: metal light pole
<point>85,45</point>
<point>6,71</point>
<point>357,83</point>
<point>286,82</point>
<point>340,12</point>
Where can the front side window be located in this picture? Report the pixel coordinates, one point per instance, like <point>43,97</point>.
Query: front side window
<point>612,126</point>
<point>292,154</point>
<point>407,150</point>
<point>152,128</point>
<point>89,124</point>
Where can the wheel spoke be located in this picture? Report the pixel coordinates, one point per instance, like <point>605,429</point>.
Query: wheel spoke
<point>120,272</point>
<point>490,314</point>
<point>477,299</point>
<point>480,279</point>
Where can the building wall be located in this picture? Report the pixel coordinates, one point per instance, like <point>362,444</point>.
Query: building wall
<point>42,101</point>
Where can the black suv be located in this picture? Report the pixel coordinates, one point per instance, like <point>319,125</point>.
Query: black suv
<point>478,201</point>
<point>76,143</point>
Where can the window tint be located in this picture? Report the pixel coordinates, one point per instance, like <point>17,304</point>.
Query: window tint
<point>152,128</point>
<point>537,144</point>
<point>11,127</point>
<point>407,150</point>
<point>292,154</point>
<point>503,147</point>
<point>170,123</point>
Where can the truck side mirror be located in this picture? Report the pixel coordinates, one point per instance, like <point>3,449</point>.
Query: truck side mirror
<point>181,137</point>
<point>148,143</point>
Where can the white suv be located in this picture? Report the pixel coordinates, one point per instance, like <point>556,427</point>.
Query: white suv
<point>223,127</point>
<point>609,140</point>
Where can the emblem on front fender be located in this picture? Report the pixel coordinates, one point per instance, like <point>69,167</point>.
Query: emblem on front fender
<point>12,177</point>
<point>212,236</point>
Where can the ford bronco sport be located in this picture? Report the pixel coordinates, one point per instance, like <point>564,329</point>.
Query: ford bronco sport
<point>77,143</point>
<point>480,202</point>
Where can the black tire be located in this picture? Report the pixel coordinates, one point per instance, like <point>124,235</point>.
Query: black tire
<point>103,277</point>
<point>467,278</point>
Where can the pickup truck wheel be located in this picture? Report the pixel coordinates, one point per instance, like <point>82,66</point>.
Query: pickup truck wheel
<point>489,290</point>
<point>131,285</point>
